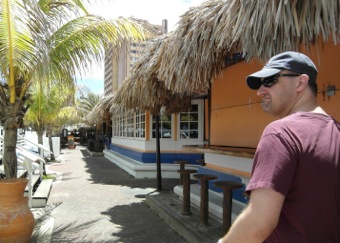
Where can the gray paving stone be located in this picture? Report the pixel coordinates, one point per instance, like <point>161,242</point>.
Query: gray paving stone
<point>102,203</point>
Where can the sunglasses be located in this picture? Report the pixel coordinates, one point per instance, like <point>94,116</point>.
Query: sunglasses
<point>270,81</point>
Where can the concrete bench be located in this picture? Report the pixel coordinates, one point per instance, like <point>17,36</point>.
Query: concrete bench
<point>42,193</point>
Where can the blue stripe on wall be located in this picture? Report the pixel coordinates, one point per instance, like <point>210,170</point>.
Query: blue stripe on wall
<point>150,157</point>
<point>237,194</point>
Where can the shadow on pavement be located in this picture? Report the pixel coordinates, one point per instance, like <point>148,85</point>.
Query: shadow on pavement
<point>103,171</point>
<point>137,222</point>
<point>126,219</point>
<point>139,216</point>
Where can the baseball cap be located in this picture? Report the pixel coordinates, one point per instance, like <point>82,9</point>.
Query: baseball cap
<point>290,60</point>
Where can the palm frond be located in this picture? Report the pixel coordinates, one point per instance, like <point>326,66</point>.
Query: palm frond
<point>101,111</point>
<point>81,42</point>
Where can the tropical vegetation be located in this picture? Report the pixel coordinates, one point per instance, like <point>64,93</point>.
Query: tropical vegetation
<point>85,103</point>
<point>49,41</point>
<point>50,108</point>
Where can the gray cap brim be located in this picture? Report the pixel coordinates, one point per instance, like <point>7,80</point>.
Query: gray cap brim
<point>254,80</point>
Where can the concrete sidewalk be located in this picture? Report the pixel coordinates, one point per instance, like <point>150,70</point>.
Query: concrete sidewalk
<point>96,201</point>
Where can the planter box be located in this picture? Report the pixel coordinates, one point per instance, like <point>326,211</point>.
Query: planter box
<point>95,145</point>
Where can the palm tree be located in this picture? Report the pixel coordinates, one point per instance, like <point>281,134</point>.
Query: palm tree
<point>47,106</point>
<point>49,40</point>
<point>86,101</point>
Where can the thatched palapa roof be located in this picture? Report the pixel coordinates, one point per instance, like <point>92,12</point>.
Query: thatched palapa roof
<point>100,111</point>
<point>258,28</point>
<point>184,62</point>
<point>143,91</point>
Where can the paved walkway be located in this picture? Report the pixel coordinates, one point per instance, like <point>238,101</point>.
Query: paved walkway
<point>99,202</point>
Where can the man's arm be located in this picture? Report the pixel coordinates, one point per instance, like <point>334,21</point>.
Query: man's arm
<point>259,218</point>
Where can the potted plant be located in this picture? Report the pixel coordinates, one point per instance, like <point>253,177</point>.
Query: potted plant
<point>16,221</point>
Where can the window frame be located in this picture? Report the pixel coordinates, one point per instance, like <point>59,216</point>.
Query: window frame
<point>125,125</point>
<point>200,122</point>
<point>160,125</point>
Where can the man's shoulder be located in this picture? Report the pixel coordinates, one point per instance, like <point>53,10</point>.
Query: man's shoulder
<point>285,121</point>
<point>302,117</point>
<point>300,120</point>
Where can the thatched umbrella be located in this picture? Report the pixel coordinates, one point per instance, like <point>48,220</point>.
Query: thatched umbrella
<point>206,34</point>
<point>101,111</point>
<point>143,91</point>
<point>152,96</point>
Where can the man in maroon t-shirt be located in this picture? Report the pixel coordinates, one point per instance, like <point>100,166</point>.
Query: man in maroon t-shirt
<point>295,183</point>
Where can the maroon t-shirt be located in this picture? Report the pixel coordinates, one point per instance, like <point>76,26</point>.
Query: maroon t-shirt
<point>299,156</point>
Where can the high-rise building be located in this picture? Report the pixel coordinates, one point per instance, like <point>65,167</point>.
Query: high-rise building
<point>119,62</point>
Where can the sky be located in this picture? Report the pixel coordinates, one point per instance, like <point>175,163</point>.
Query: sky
<point>152,10</point>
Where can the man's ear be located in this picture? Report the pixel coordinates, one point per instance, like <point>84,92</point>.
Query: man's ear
<point>302,82</point>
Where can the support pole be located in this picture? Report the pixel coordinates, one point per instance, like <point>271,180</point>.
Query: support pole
<point>158,156</point>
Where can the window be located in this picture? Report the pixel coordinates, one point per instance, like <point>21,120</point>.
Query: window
<point>164,126</point>
<point>188,123</point>
<point>117,128</point>
<point>129,124</point>
<point>140,125</point>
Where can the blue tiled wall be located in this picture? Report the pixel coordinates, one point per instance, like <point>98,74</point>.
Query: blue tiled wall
<point>237,193</point>
<point>150,157</point>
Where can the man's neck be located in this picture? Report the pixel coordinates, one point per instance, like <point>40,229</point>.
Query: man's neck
<point>310,107</point>
<point>305,104</point>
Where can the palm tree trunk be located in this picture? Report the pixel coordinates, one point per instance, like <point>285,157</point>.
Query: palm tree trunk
<point>50,143</point>
<point>10,157</point>
<point>40,134</point>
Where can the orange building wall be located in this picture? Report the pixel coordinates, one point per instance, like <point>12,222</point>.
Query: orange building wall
<point>206,120</point>
<point>237,118</point>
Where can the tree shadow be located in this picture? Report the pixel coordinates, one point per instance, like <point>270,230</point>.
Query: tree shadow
<point>103,171</point>
<point>139,224</point>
